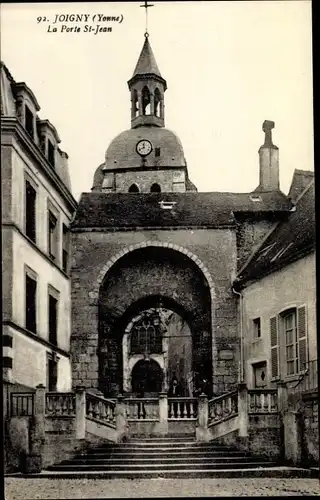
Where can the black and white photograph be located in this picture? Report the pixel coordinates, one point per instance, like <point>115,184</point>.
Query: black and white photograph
<point>159,323</point>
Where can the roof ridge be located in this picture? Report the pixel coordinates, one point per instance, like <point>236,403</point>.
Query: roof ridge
<point>300,171</point>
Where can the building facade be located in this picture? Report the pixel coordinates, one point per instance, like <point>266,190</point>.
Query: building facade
<point>278,286</point>
<point>154,261</point>
<point>37,207</point>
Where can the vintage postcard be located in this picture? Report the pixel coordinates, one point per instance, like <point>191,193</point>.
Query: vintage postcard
<point>158,227</point>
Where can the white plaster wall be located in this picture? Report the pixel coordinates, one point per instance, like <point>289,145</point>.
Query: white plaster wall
<point>24,254</point>
<point>30,363</point>
<point>292,286</point>
<point>21,164</point>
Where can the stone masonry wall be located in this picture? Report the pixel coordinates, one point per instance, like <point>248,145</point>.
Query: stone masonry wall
<point>215,251</point>
<point>167,180</point>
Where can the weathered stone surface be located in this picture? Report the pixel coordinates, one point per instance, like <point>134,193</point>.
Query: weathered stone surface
<point>177,276</point>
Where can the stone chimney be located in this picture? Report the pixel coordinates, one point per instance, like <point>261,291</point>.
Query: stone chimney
<point>268,161</point>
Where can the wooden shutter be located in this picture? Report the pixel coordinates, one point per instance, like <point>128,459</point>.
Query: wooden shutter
<point>274,347</point>
<point>302,337</point>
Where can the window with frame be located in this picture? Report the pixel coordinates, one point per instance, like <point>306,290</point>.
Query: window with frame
<point>256,328</point>
<point>29,121</point>
<point>65,248</point>
<point>52,234</point>
<point>288,341</point>
<point>289,321</point>
<point>30,211</point>
<point>51,158</point>
<point>53,319</point>
<point>146,336</point>
<point>31,303</point>
<point>52,372</point>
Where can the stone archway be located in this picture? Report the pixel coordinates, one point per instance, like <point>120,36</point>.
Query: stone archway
<point>135,282</point>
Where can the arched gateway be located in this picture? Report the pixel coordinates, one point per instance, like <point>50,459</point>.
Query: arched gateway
<point>154,310</point>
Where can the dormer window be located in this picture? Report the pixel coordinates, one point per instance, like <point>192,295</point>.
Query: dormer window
<point>255,198</point>
<point>29,121</point>
<point>51,158</point>
<point>48,139</point>
<point>157,152</point>
<point>27,107</point>
<point>167,205</point>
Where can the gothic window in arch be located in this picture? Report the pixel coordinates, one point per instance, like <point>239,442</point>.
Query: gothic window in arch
<point>157,100</point>
<point>146,335</point>
<point>155,188</point>
<point>135,103</point>
<point>146,101</point>
<point>133,189</point>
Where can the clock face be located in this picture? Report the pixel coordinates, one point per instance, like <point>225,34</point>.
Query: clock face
<point>144,147</point>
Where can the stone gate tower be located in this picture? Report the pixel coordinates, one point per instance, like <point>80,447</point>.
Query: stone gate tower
<point>154,260</point>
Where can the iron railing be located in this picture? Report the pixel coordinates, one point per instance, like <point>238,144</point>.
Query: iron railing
<point>22,404</point>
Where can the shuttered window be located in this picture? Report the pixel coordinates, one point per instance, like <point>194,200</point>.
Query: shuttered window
<point>302,338</point>
<point>31,304</point>
<point>52,235</point>
<point>30,211</point>
<point>274,341</point>
<point>65,248</point>
<point>289,320</point>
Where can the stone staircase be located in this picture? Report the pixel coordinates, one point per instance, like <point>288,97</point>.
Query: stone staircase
<point>166,457</point>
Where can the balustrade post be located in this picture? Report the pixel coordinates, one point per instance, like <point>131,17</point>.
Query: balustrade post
<point>243,410</point>
<point>121,419</point>
<point>163,412</point>
<point>202,431</point>
<point>80,412</point>
<point>282,397</point>
<point>291,446</point>
<point>37,432</point>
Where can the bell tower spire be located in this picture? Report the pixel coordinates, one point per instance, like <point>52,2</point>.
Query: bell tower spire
<point>147,87</point>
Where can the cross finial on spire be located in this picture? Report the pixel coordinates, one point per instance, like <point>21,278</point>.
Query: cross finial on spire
<point>146,6</point>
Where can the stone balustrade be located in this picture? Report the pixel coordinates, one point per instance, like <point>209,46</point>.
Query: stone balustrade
<point>182,408</point>
<point>142,408</point>
<point>100,409</point>
<point>262,401</point>
<point>223,407</point>
<point>60,404</point>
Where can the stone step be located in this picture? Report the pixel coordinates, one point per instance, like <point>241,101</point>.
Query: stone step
<point>160,447</point>
<point>158,461</point>
<point>133,467</point>
<point>134,455</point>
<point>173,437</point>
<point>269,472</point>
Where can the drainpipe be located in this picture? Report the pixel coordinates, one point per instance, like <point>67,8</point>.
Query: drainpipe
<point>241,335</point>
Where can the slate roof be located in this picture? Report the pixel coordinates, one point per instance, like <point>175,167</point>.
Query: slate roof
<point>301,179</point>
<point>146,63</point>
<point>129,210</point>
<point>291,239</point>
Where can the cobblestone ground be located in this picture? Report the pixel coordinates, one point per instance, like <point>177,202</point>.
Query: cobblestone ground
<point>23,489</point>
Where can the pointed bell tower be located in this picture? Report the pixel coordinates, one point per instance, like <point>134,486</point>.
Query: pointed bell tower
<point>147,89</point>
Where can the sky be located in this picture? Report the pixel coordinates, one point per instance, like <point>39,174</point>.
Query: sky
<point>229,66</point>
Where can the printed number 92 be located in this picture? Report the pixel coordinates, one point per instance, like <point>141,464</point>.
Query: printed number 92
<point>40,19</point>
